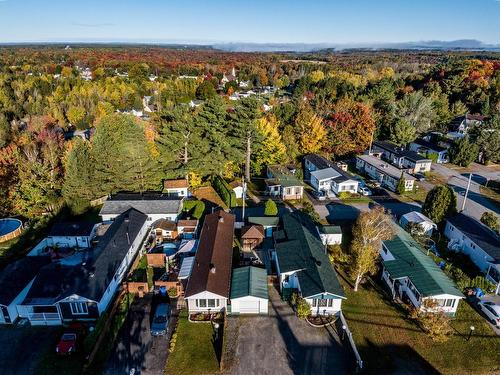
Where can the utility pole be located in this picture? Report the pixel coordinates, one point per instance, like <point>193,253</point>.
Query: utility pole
<point>371,143</point>
<point>466,192</point>
<point>244,196</point>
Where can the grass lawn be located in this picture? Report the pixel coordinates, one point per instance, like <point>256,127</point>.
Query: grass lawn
<point>194,352</point>
<point>388,341</point>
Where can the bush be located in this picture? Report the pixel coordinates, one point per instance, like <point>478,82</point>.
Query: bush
<point>344,195</point>
<point>224,190</point>
<point>490,220</point>
<point>303,308</point>
<point>308,209</point>
<point>435,323</point>
<point>172,292</point>
<point>270,209</point>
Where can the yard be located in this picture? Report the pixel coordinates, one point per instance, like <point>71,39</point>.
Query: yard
<point>388,341</point>
<point>194,352</point>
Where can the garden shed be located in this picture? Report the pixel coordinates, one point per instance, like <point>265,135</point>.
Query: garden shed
<point>249,294</point>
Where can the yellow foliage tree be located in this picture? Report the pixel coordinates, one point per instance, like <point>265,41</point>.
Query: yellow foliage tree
<point>272,149</point>
<point>311,133</point>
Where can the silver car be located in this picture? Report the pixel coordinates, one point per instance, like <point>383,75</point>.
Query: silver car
<point>491,310</point>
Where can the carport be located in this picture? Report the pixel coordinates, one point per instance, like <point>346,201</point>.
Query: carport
<point>249,293</point>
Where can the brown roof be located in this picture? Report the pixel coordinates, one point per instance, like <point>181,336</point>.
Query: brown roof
<point>252,231</point>
<point>213,262</point>
<point>187,223</point>
<point>235,183</point>
<point>164,224</point>
<point>175,184</point>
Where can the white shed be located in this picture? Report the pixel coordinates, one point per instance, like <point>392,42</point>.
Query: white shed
<point>419,219</point>
<point>249,293</point>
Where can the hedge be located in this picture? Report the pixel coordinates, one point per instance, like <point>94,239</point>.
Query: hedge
<point>194,207</point>
<point>224,190</point>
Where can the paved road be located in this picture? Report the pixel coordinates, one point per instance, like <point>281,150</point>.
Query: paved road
<point>476,203</point>
<point>283,344</point>
<point>21,348</point>
<point>135,348</point>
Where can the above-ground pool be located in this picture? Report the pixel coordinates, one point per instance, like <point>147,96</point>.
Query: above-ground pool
<point>9,229</point>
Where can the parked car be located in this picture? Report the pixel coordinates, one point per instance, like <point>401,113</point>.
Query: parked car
<point>420,176</point>
<point>319,195</point>
<point>491,310</point>
<point>373,183</point>
<point>364,191</point>
<point>159,325</point>
<point>67,344</point>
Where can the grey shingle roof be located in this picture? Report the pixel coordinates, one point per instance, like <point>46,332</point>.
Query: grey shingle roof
<point>148,203</point>
<point>71,229</point>
<point>478,233</point>
<point>90,278</point>
<point>249,281</point>
<point>301,250</point>
<point>325,174</point>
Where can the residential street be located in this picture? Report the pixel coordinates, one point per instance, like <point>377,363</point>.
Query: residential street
<point>135,348</point>
<point>476,203</point>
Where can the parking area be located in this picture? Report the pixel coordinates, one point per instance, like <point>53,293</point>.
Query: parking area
<point>135,349</point>
<point>22,347</point>
<point>281,343</point>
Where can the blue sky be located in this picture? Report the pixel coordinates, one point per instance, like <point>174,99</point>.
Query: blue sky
<point>281,21</point>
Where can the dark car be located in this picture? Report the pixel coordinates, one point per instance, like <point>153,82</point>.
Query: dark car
<point>420,176</point>
<point>67,344</point>
<point>159,325</point>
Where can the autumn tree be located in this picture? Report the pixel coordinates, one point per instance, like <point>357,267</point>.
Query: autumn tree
<point>433,321</point>
<point>4,131</point>
<point>311,134</point>
<point>440,202</point>
<point>490,220</point>
<point>205,90</point>
<point>349,128</point>
<point>370,229</point>
<point>271,150</point>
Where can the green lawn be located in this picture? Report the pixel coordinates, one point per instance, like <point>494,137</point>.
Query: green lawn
<point>194,352</point>
<point>387,340</point>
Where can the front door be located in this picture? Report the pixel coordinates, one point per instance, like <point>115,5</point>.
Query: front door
<point>6,315</point>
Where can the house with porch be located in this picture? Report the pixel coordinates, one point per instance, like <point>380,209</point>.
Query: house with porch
<point>209,285</point>
<point>478,242</point>
<point>155,205</point>
<point>411,161</point>
<point>412,276</point>
<point>78,234</point>
<point>386,174</point>
<point>177,188</point>
<point>81,287</point>
<point>282,182</point>
<point>16,280</point>
<point>303,266</point>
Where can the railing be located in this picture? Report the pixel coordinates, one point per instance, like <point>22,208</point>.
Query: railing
<point>345,332</point>
<point>44,316</point>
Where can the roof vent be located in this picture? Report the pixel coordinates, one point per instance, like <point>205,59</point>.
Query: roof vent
<point>221,219</point>
<point>212,268</point>
<point>91,274</point>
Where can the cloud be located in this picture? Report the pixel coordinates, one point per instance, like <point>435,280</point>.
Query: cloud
<point>81,24</point>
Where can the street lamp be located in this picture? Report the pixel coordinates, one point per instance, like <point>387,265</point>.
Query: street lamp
<point>216,326</point>
<point>344,327</point>
<point>472,328</point>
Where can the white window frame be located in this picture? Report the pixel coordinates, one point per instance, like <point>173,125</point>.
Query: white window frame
<point>78,308</point>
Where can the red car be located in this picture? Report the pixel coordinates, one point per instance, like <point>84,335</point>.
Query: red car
<point>67,344</point>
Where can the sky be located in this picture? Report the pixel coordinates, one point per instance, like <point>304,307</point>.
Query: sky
<point>269,21</point>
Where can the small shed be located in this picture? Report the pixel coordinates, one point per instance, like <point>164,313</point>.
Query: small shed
<point>237,187</point>
<point>415,217</point>
<point>330,234</point>
<point>252,236</point>
<point>249,294</point>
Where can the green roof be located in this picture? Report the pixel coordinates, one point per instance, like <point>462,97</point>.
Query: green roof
<point>410,261</point>
<point>283,176</point>
<point>265,221</point>
<point>249,281</point>
<point>329,229</point>
<point>301,250</point>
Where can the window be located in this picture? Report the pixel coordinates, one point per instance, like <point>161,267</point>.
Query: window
<point>201,302</point>
<point>330,302</point>
<point>314,302</point>
<point>78,308</point>
<point>450,303</point>
<point>211,303</point>
<point>322,302</point>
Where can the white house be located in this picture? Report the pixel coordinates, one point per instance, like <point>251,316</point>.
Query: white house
<point>385,173</point>
<point>418,218</point>
<point>327,176</point>
<point>81,287</point>
<point>414,277</point>
<point>16,280</point>
<point>177,188</point>
<point>237,187</point>
<point>78,234</point>
<point>303,266</point>
<point>282,182</point>
<point>208,286</point>
<point>430,150</point>
<point>249,293</point>
<point>330,234</point>
<point>402,158</point>
<point>460,125</point>
<point>478,242</point>
<point>155,205</point>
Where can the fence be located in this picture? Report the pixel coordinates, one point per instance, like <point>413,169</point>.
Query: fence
<point>345,332</point>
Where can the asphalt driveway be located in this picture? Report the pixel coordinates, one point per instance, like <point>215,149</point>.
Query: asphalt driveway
<point>283,344</point>
<point>21,348</point>
<point>135,348</point>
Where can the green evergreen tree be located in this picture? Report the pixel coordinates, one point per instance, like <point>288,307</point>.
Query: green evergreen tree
<point>439,203</point>
<point>462,152</point>
<point>270,209</point>
<point>401,188</point>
